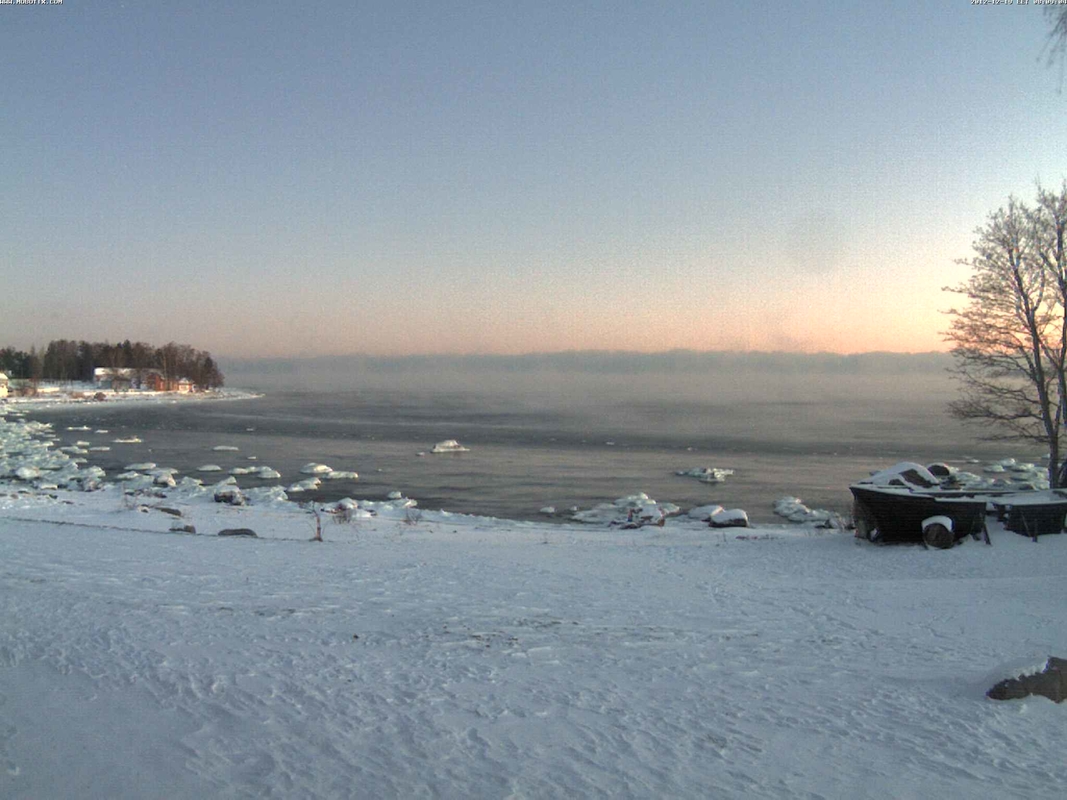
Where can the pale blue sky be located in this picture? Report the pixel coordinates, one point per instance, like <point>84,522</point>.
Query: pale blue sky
<point>276,178</point>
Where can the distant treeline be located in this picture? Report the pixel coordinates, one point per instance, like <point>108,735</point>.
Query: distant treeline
<point>67,360</point>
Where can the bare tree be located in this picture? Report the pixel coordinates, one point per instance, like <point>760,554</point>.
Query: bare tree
<point>1056,46</point>
<point>1010,340</point>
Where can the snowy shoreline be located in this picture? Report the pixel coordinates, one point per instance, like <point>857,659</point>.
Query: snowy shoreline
<point>78,396</point>
<point>443,654</point>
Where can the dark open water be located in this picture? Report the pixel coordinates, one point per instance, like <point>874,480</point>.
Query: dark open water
<point>588,441</point>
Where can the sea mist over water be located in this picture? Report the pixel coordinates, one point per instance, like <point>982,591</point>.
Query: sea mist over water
<point>572,429</point>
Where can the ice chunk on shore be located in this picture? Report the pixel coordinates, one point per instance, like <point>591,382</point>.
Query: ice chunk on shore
<point>141,466</point>
<point>127,440</point>
<point>209,468</point>
<point>794,510</point>
<point>315,469</point>
<point>449,446</point>
<point>634,510</point>
<point>225,448</point>
<point>339,475</point>
<point>704,513</point>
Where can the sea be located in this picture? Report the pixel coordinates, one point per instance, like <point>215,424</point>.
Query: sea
<point>554,439</point>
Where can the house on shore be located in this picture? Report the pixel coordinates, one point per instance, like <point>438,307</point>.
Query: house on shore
<point>122,379</point>
<point>3,385</point>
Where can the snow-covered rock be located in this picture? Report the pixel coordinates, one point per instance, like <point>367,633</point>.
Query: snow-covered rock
<point>730,518</point>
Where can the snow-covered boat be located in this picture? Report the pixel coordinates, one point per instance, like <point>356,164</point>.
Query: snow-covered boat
<point>909,503</point>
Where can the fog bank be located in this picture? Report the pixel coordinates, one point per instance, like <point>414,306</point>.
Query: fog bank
<point>681,374</point>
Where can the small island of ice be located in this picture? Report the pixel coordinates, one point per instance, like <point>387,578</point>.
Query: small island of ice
<point>449,446</point>
<point>706,474</point>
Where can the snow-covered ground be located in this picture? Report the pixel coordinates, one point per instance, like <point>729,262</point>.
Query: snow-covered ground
<point>452,656</point>
<point>414,653</point>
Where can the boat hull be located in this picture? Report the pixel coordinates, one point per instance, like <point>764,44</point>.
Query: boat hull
<point>898,515</point>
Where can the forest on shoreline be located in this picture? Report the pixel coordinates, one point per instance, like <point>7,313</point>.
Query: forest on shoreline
<point>69,360</point>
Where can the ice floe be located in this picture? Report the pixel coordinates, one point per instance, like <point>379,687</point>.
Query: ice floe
<point>340,475</point>
<point>449,446</point>
<point>306,485</point>
<point>706,474</point>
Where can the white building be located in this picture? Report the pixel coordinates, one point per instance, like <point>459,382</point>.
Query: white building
<point>3,385</point>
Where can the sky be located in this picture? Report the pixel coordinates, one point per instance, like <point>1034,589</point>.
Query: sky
<point>289,179</point>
